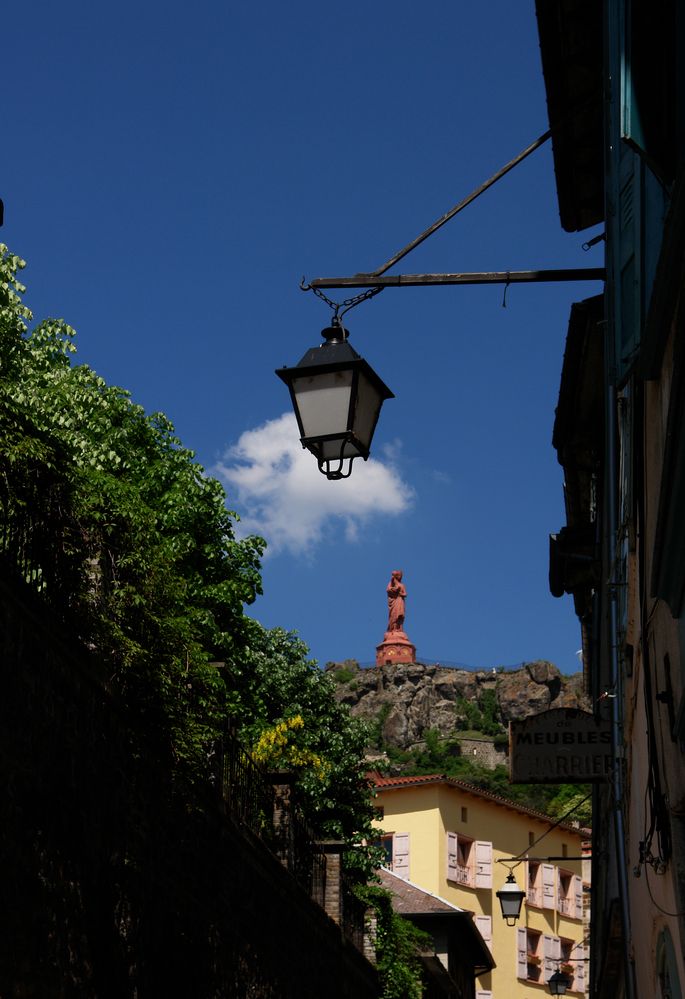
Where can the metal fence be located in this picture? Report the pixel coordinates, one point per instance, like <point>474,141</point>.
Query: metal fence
<point>37,546</point>
<point>249,796</point>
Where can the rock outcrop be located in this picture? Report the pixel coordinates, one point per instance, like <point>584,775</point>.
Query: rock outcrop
<point>407,699</point>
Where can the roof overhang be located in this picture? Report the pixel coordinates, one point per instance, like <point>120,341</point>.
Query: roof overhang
<point>571,46</point>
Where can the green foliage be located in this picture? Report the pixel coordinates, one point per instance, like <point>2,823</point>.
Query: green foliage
<point>398,946</point>
<point>438,755</point>
<point>158,579</point>
<point>279,682</point>
<point>480,715</point>
<point>344,675</point>
<point>162,578</point>
<point>573,797</point>
<point>376,739</point>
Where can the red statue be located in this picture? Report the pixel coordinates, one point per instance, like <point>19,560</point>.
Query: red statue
<point>395,647</point>
<point>397,594</point>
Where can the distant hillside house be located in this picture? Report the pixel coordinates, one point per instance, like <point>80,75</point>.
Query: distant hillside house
<point>447,837</point>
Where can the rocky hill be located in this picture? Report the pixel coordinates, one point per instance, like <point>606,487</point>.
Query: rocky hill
<point>404,701</point>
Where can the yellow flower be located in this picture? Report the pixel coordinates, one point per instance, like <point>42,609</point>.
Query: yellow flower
<point>273,748</point>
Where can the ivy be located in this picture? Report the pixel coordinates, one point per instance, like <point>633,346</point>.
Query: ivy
<point>398,946</point>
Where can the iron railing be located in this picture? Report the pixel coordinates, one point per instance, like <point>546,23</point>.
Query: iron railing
<point>249,796</point>
<point>308,863</point>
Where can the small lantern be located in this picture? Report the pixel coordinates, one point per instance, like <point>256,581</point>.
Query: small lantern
<point>337,397</point>
<point>511,899</point>
<point>558,983</point>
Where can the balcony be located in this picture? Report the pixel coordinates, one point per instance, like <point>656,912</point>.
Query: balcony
<point>534,896</point>
<point>464,875</point>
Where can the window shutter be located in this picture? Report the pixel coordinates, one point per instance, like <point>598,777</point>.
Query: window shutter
<point>551,952</point>
<point>521,953</point>
<point>400,855</point>
<point>451,856</point>
<point>578,896</point>
<point>579,976</point>
<point>483,864</point>
<point>548,879</point>
<point>484,925</point>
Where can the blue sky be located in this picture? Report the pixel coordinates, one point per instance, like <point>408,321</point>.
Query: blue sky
<point>171,171</point>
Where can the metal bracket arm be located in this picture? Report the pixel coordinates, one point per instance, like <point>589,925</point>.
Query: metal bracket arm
<point>477,277</point>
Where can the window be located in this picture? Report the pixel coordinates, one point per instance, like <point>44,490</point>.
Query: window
<point>469,862</point>
<point>538,955</point>
<point>572,963</point>
<point>534,887</point>
<point>531,839</point>
<point>396,849</point>
<point>567,965</point>
<point>459,865</point>
<point>464,814</point>
<point>541,887</point>
<point>385,842</point>
<point>529,956</point>
<point>564,899</point>
<point>570,895</point>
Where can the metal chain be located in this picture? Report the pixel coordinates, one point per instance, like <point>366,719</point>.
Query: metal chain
<point>348,304</point>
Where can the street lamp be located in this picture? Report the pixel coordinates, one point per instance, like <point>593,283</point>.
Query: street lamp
<point>510,899</point>
<point>336,395</point>
<point>337,398</point>
<point>558,983</point>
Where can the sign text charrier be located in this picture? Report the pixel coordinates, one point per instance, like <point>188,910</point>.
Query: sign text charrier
<point>562,746</point>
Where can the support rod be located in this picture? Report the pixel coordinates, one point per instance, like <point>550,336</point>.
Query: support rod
<point>462,204</point>
<point>477,277</point>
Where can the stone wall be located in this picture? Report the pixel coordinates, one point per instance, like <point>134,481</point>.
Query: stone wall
<point>482,751</point>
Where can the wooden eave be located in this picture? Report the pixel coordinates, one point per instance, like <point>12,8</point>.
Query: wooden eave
<point>570,33</point>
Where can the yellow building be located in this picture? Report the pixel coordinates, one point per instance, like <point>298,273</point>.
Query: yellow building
<point>447,837</point>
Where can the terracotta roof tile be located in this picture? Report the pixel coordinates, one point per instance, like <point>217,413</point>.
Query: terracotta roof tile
<point>379,781</point>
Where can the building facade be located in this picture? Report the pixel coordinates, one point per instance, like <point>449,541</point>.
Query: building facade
<point>615,82</point>
<point>449,838</point>
<point>459,952</point>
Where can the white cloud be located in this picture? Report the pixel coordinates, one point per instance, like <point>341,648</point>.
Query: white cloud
<point>290,503</point>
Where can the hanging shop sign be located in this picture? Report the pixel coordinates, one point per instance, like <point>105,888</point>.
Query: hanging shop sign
<point>561,746</point>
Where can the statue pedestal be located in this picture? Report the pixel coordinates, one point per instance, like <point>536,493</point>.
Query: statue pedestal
<point>395,648</point>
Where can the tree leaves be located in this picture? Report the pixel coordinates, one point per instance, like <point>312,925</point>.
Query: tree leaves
<point>158,581</point>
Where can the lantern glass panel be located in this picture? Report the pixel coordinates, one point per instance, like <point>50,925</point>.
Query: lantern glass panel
<point>369,402</point>
<point>511,907</point>
<point>323,401</point>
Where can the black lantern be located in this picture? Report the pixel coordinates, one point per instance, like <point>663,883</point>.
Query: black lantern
<point>511,899</point>
<point>337,397</point>
<point>559,983</point>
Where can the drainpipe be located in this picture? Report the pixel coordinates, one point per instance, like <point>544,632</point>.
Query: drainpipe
<point>615,685</point>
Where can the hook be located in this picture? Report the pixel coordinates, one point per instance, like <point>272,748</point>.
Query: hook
<point>504,296</point>
<point>303,285</point>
